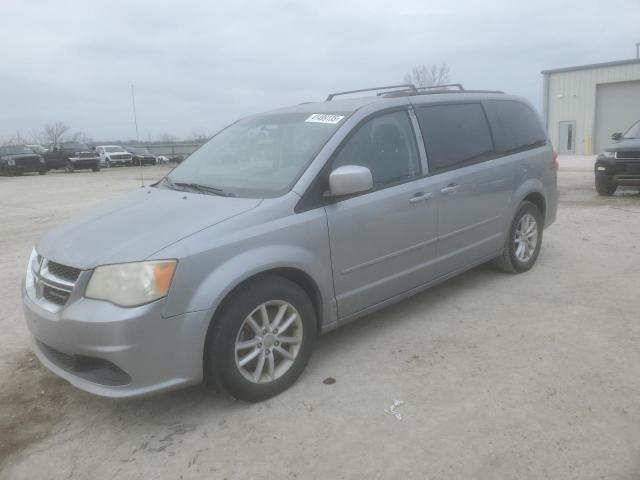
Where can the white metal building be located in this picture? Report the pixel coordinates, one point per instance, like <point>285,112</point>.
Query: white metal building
<point>584,105</point>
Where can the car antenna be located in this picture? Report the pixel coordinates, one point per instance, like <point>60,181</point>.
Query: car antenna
<point>135,121</point>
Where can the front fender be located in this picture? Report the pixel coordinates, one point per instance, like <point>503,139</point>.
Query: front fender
<point>228,275</point>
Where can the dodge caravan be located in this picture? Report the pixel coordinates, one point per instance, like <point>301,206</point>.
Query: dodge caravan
<point>286,225</point>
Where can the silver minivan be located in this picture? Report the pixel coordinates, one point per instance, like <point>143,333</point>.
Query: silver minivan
<point>286,225</point>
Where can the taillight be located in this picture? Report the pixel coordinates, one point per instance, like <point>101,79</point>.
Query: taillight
<point>556,164</point>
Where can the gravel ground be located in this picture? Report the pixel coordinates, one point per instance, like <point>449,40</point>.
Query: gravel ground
<point>529,376</point>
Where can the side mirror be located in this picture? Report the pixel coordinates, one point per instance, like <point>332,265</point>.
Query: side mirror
<point>616,136</point>
<point>349,179</point>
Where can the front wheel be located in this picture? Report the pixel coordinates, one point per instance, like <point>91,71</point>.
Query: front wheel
<point>605,187</point>
<point>69,168</point>
<point>262,339</point>
<point>95,169</point>
<point>524,240</point>
<point>42,172</point>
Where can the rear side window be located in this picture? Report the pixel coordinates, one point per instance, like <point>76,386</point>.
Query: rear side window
<point>454,135</point>
<point>515,126</point>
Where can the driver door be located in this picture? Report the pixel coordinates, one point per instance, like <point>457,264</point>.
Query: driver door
<point>383,240</point>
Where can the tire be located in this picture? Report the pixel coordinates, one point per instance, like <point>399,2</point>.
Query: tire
<point>68,167</point>
<point>42,172</point>
<point>231,325</point>
<point>95,169</point>
<point>107,164</point>
<point>512,259</point>
<point>605,186</point>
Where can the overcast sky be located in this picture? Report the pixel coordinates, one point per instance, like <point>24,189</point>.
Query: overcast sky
<point>197,65</point>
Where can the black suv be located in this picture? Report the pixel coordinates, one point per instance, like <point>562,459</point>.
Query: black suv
<point>619,163</point>
<point>72,156</point>
<point>142,156</point>
<point>18,159</point>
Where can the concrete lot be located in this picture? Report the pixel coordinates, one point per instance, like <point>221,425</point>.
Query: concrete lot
<point>530,376</point>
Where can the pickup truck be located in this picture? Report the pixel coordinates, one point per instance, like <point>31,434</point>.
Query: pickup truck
<point>71,156</point>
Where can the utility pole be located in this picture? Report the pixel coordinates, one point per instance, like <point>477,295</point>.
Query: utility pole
<point>135,121</point>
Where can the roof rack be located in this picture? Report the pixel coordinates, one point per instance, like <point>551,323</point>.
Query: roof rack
<point>408,87</point>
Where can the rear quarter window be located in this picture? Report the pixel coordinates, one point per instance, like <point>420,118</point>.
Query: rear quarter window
<point>515,126</point>
<point>455,135</point>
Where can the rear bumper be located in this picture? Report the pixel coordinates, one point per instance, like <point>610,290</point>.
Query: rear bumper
<point>118,352</point>
<point>88,163</point>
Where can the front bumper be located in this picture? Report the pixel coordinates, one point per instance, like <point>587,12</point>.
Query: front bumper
<point>18,168</point>
<point>620,172</point>
<point>118,352</point>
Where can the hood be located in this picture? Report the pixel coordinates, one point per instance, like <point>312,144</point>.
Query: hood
<point>628,145</point>
<point>136,226</point>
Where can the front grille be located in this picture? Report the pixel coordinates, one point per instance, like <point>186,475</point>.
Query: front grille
<point>53,281</point>
<point>55,295</point>
<point>93,369</point>
<point>628,155</point>
<point>63,271</point>
<point>120,157</point>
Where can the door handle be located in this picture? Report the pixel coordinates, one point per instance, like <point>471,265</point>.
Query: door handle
<point>420,197</point>
<point>450,189</point>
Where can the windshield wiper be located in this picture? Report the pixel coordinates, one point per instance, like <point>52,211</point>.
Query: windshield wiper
<point>203,188</point>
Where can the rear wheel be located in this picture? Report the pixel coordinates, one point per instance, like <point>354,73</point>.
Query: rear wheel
<point>68,167</point>
<point>262,339</point>
<point>523,241</point>
<point>605,186</point>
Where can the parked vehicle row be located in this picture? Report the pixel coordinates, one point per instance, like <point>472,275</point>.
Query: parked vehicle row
<point>70,156</point>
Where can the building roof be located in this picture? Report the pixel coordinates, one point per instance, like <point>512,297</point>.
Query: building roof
<point>591,66</point>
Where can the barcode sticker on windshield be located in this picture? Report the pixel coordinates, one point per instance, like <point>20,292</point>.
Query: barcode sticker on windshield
<point>324,118</point>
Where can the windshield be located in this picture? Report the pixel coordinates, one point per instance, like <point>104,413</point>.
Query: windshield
<point>36,148</point>
<point>260,156</point>
<point>112,149</point>
<point>16,150</point>
<point>634,131</point>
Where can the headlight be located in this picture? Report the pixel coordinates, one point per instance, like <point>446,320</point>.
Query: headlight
<point>29,278</point>
<point>608,154</point>
<point>131,284</point>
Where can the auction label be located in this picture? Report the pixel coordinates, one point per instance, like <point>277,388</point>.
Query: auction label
<point>324,118</point>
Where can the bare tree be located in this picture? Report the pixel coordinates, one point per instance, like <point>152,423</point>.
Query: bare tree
<point>15,139</point>
<point>424,76</point>
<point>199,136</point>
<point>80,136</point>
<point>54,132</point>
<point>166,138</point>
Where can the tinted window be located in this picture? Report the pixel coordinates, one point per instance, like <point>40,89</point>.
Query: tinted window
<point>386,145</point>
<point>454,135</point>
<point>515,126</point>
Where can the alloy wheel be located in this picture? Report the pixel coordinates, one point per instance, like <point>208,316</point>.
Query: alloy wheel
<point>526,237</point>
<point>268,342</point>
